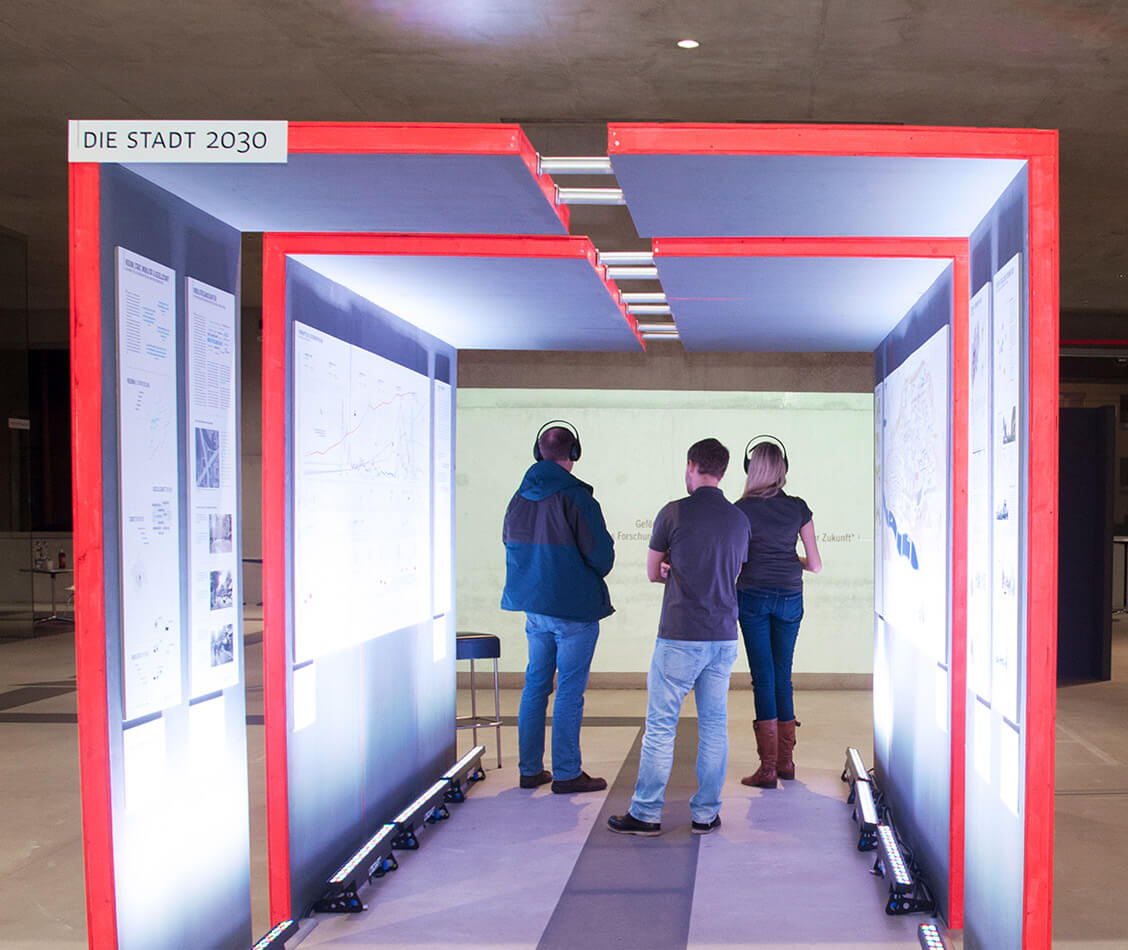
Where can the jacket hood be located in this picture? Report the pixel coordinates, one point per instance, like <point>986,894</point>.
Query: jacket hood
<point>547,478</point>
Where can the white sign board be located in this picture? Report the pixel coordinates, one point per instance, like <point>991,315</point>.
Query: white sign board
<point>148,480</point>
<point>143,140</point>
<point>214,598</point>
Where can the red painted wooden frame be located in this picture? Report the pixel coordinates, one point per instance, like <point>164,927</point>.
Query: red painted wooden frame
<point>89,554</point>
<point>276,247</point>
<point>1039,149</point>
<point>436,138</point>
<point>955,250</point>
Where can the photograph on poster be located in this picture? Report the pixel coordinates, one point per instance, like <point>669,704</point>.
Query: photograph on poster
<point>219,534</point>
<point>362,494</point>
<point>213,548</point>
<point>223,645</point>
<point>148,483</point>
<point>915,502</point>
<point>222,590</point>
<point>207,458</point>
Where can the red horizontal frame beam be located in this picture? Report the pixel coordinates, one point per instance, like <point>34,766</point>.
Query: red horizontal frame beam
<point>453,245</point>
<point>862,140</point>
<point>423,138</point>
<point>957,251</point>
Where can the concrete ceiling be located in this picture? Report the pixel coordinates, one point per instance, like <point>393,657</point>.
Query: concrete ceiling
<point>565,68</point>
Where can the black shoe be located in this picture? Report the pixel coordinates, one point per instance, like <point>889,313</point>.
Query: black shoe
<point>629,825</point>
<point>581,783</point>
<point>534,781</point>
<point>706,827</point>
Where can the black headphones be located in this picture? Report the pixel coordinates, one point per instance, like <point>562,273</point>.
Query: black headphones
<point>754,441</point>
<point>573,452</point>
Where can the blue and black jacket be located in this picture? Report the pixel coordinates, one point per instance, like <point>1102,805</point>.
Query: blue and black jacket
<point>557,549</point>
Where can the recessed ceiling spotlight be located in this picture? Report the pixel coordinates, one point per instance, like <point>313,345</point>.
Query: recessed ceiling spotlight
<point>688,44</point>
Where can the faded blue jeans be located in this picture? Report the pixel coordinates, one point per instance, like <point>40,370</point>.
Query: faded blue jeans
<point>560,648</point>
<point>769,621</point>
<point>677,667</point>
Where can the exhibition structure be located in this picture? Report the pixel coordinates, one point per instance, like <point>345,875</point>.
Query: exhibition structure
<point>387,250</point>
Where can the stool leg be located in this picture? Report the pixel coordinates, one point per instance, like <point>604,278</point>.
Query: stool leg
<point>473,703</point>
<point>497,714</point>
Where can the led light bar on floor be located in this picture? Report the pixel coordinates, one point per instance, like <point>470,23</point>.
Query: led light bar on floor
<point>626,258</point>
<point>895,865</point>
<point>855,769</point>
<point>279,934</point>
<point>929,936</point>
<point>617,272</point>
<point>866,813</point>
<point>431,801</point>
<point>465,771</point>
<point>656,328</point>
<point>648,308</point>
<point>642,296</point>
<point>370,849</point>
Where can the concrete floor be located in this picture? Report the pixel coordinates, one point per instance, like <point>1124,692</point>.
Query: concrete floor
<point>493,875</point>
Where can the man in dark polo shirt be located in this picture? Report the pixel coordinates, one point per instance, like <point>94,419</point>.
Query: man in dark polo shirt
<point>697,549</point>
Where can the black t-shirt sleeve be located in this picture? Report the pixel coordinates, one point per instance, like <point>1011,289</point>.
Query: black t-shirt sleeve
<point>804,512</point>
<point>660,534</point>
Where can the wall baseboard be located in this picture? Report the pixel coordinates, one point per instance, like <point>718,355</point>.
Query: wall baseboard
<point>740,681</point>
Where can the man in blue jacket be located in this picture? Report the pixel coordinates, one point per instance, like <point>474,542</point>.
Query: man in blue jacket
<point>557,552</point>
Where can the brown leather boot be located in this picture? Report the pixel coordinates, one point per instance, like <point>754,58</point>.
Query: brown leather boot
<point>767,739</point>
<point>785,765</point>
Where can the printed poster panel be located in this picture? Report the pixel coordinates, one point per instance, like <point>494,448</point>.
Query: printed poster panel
<point>214,598</point>
<point>915,503</point>
<point>362,495</point>
<point>148,480</point>
<point>979,517</point>
<point>878,502</point>
<point>441,543</point>
<point>1006,461</point>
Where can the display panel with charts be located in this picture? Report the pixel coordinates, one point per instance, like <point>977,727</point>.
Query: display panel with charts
<point>214,597</point>
<point>149,483</point>
<point>979,517</point>
<point>915,500</point>
<point>362,494</point>
<point>1006,466</point>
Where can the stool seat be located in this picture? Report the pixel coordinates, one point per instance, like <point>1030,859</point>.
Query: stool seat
<point>477,646</point>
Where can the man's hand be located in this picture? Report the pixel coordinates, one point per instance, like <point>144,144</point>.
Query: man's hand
<point>657,566</point>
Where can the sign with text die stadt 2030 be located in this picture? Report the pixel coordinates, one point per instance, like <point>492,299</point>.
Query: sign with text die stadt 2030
<point>172,141</point>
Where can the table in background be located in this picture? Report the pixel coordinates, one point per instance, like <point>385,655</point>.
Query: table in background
<point>52,572</point>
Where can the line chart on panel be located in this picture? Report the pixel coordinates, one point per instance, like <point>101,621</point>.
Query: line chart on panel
<point>362,474</point>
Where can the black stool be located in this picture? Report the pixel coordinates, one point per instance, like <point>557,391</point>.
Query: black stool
<point>480,646</point>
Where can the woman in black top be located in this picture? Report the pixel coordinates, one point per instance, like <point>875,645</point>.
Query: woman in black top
<point>770,597</point>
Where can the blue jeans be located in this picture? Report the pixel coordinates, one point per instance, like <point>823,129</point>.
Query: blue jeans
<point>677,667</point>
<point>563,648</point>
<point>769,621</point>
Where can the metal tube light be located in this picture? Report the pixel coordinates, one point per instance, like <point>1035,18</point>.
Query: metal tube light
<point>369,846</point>
<point>648,308</point>
<point>894,863</point>
<point>642,296</point>
<point>282,931</point>
<point>626,258</point>
<point>576,165</point>
<point>464,763</point>
<point>421,802</point>
<point>866,808</point>
<point>632,273</point>
<point>590,196</point>
<point>855,767</point>
<point>929,936</point>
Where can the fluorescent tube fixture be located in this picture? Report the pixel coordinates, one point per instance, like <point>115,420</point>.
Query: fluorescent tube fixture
<point>278,936</point>
<point>629,297</point>
<point>590,196</point>
<point>632,273</point>
<point>688,44</point>
<point>929,936</point>
<point>626,258</point>
<point>576,165</point>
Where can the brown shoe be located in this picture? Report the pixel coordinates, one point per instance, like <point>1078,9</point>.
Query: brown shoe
<point>581,783</point>
<point>785,766</point>
<point>767,740</point>
<point>533,781</point>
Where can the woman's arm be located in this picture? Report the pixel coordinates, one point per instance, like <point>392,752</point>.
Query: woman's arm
<point>811,562</point>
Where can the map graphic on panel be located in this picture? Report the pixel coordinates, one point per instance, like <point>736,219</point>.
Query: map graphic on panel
<point>915,501</point>
<point>362,494</point>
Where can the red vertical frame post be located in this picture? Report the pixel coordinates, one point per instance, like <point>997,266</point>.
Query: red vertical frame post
<point>1041,544</point>
<point>274,525</point>
<point>961,302</point>
<point>89,553</point>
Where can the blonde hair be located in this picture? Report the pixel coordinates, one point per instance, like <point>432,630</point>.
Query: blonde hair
<point>767,473</point>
